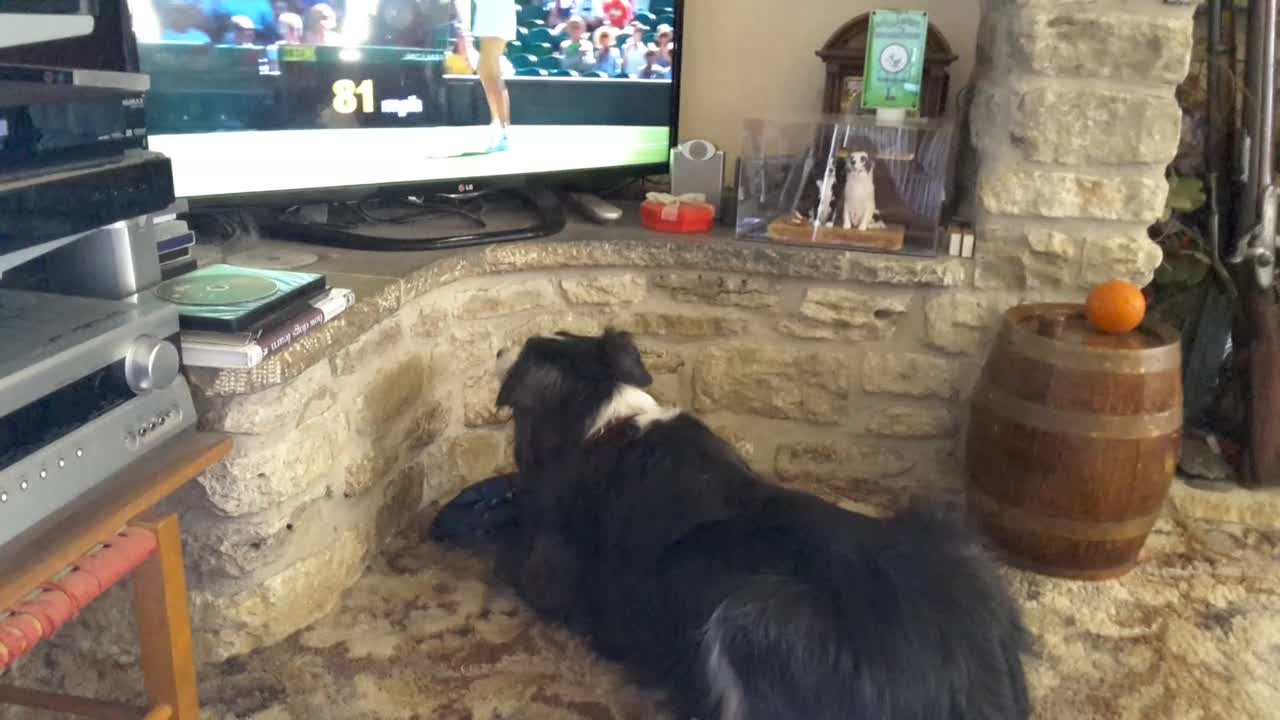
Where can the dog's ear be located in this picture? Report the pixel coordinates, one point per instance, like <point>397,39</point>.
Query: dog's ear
<point>623,358</point>
<point>529,383</point>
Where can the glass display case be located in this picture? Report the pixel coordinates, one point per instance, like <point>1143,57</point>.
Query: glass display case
<point>849,182</point>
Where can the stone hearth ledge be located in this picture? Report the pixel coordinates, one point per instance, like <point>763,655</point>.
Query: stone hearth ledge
<point>581,247</point>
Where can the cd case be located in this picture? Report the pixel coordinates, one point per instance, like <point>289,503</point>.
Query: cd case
<point>205,293</point>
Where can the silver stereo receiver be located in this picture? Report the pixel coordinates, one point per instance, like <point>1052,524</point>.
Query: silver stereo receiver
<point>87,387</point>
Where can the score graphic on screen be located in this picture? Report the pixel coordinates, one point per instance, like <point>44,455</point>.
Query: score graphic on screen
<point>365,87</point>
<point>350,96</point>
<point>344,96</point>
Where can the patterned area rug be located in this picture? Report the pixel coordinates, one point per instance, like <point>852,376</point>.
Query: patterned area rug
<point>425,635</point>
<point>1192,633</point>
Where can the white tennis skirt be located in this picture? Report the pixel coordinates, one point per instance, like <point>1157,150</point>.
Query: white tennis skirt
<point>494,19</point>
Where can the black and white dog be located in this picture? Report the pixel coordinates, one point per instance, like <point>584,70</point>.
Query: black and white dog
<point>643,530</point>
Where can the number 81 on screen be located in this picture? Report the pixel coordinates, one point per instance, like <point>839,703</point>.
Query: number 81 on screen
<point>348,96</point>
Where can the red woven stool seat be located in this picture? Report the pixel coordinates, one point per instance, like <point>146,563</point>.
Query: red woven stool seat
<point>59,600</point>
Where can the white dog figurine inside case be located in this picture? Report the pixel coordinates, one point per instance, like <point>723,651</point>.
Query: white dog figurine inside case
<point>859,199</point>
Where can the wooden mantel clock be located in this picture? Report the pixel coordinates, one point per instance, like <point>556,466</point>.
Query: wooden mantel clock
<point>845,55</point>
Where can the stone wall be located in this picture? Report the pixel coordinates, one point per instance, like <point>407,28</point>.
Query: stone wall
<point>1073,121</point>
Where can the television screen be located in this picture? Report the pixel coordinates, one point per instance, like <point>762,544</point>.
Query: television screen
<point>278,96</point>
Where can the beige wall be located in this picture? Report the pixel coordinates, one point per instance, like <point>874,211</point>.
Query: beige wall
<point>755,58</point>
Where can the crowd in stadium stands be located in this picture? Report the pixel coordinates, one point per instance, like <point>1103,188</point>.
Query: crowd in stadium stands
<point>248,22</point>
<point>595,38</point>
<point>556,38</point>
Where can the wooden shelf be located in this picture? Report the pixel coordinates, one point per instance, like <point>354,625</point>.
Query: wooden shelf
<point>890,238</point>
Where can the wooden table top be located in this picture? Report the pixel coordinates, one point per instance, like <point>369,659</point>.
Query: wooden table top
<point>59,540</point>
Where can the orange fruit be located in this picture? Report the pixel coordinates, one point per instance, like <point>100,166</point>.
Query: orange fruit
<point>1116,307</point>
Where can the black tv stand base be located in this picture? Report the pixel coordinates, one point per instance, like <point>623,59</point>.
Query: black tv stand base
<point>545,204</point>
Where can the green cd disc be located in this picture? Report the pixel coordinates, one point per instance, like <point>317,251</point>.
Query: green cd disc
<point>220,289</point>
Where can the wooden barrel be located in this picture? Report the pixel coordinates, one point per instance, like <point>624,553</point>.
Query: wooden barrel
<point>1073,441</point>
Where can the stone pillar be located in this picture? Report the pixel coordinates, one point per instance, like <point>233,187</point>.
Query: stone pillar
<point>1073,120</point>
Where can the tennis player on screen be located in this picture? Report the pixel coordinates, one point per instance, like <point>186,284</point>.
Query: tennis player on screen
<point>493,26</point>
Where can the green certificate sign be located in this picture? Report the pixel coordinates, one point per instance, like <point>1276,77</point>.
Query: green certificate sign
<point>895,60</point>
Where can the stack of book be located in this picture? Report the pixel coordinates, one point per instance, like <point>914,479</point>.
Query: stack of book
<point>236,317</point>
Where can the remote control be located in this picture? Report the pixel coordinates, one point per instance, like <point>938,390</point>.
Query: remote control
<point>595,209</point>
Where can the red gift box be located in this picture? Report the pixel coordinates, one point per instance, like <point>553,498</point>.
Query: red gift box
<point>677,214</point>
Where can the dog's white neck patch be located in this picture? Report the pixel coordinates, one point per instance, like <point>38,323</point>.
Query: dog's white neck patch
<point>631,403</point>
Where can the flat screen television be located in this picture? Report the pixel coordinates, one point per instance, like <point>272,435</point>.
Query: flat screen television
<point>258,100</point>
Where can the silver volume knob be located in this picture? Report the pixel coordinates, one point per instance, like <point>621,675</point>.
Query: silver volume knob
<point>152,364</point>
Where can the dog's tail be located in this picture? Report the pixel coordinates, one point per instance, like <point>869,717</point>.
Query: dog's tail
<point>922,628</point>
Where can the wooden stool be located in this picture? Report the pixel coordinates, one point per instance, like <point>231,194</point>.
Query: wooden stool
<point>49,574</point>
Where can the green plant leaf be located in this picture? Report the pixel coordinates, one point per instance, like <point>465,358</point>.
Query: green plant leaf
<point>1186,194</point>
